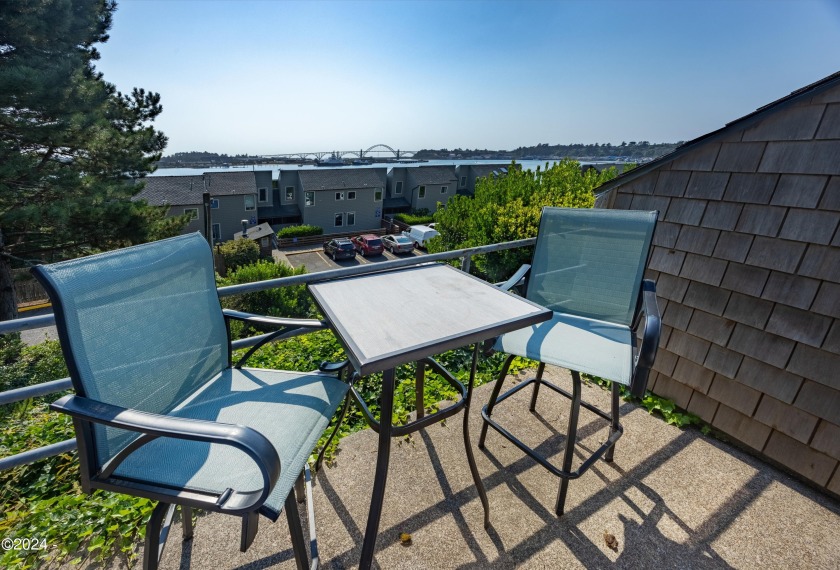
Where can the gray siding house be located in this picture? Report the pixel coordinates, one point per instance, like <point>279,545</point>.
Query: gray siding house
<point>339,200</point>
<point>233,198</point>
<point>746,260</point>
<point>468,174</point>
<point>423,186</point>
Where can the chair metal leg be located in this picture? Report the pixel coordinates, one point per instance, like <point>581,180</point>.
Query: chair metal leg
<point>383,457</point>
<point>571,439</point>
<point>300,489</point>
<point>157,530</point>
<point>482,493</point>
<point>187,522</point>
<point>419,389</point>
<point>250,525</point>
<point>496,389</point>
<point>296,530</point>
<point>537,384</point>
<point>614,426</point>
<point>332,435</point>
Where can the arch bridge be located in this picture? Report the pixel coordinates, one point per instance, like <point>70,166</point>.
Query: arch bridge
<point>376,151</point>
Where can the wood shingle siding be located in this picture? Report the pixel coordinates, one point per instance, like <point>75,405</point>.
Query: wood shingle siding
<point>747,263</point>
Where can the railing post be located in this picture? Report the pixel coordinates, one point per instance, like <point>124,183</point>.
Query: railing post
<point>465,263</point>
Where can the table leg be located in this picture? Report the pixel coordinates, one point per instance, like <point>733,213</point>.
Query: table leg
<point>383,456</point>
<point>419,382</point>
<point>470,458</point>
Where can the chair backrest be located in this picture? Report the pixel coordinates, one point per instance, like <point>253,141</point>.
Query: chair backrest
<point>140,327</point>
<point>590,262</point>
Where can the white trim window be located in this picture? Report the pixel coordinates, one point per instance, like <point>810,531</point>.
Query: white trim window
<point>250,203</point>
<point>351,195</point>
<point>377,194</point>
<point>443,189</point>
<point>214,203</point>
<point>216,232</point>
<point>263,195</point>
<point>339,196</point>
<point>192,212</point>
<point>398,187</point>
<point>309,198</point>
<point>339,220</point>
<point>421,193</point>
<point>351,218</point>
<point>290,193</point>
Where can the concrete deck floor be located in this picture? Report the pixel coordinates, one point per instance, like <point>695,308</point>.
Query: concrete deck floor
<point>673,499</point>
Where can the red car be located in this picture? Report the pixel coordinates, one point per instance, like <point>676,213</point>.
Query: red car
<point>368,244</point>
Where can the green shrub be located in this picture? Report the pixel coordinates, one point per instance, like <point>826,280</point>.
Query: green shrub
<point>239,252</point>
<point>416,217</point>
<point>300,231</point>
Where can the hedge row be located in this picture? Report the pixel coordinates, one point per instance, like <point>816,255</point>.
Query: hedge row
<point>300,231</point>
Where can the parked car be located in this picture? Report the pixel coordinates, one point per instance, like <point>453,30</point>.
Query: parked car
<point>340,248</point>
<point>397,243</point>
<point>419,235</point>
<point>368,244</point>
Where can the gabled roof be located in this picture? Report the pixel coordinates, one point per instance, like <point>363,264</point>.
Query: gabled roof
<point>187,190</point>
<point>738,124</point>
<point>341,178</point>
<point>432,175</point>
<point>481,170</point>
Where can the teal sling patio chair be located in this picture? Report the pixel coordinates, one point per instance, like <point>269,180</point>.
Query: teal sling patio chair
<point>588,267</point>
<point>159,409</point>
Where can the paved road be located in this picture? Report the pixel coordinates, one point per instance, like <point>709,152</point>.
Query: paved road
<point>316,261</point>
<point>37,336</point>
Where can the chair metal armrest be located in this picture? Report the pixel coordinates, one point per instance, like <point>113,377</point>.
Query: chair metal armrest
<point>650,339</point>
<point>515,278</point>
<point>277,321</point>
<point>246,439</point>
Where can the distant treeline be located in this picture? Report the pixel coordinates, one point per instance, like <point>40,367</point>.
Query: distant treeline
<point>204,158</point>
<point>633,149</point>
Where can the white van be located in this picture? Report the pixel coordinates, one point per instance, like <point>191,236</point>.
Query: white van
<point>419,235</point>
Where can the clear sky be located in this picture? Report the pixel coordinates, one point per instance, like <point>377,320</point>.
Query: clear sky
<point>279,76</point>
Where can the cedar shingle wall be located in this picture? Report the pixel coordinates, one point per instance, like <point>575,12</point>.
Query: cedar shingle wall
<point>747,262</point>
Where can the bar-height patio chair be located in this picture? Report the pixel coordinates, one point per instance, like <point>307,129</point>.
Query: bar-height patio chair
<point>159,409</point>
<point>588,267</point>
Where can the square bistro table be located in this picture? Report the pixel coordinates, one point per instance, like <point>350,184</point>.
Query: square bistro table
<point>391,318</point>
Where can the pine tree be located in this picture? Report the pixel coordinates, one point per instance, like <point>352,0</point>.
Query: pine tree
<point>71,145</point>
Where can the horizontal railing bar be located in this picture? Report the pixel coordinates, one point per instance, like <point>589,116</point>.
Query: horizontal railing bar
<point>41,321</point>
<point>34,455</point>
<point>34,391</point>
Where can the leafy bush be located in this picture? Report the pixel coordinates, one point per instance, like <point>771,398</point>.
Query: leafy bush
<point>508,208</point>
<point>239,252</point>
<point>416,217</point>
<point>292,301</point>
<point>300,231</point>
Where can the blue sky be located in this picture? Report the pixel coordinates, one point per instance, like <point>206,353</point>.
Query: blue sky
<point>278,76</point>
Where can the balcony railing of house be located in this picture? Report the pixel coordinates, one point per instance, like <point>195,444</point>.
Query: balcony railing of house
<point>55,386</point>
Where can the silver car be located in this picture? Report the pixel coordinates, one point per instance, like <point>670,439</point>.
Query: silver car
<point>397,243</point>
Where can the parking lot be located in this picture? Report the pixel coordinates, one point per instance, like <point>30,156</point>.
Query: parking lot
<point>317,260</point>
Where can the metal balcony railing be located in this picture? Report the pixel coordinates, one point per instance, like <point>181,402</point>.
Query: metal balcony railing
<point>55,386</point>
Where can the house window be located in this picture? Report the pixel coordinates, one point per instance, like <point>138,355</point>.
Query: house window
<point>214,203</point>
<point>463,181</point>
<point>192,213</point>
<point>339,195</point>
<point>398,187</point>
<point>377,195</point>
<point>339,220</point>
<point>308,198</point>
<point>351,218</point>
<point>217,233</point>
<point>263,195</point>
<point>290,194</point>
<point>351,195</point>
<point>422,192</point>
<point>443,189</point>
<point>250,204</point>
